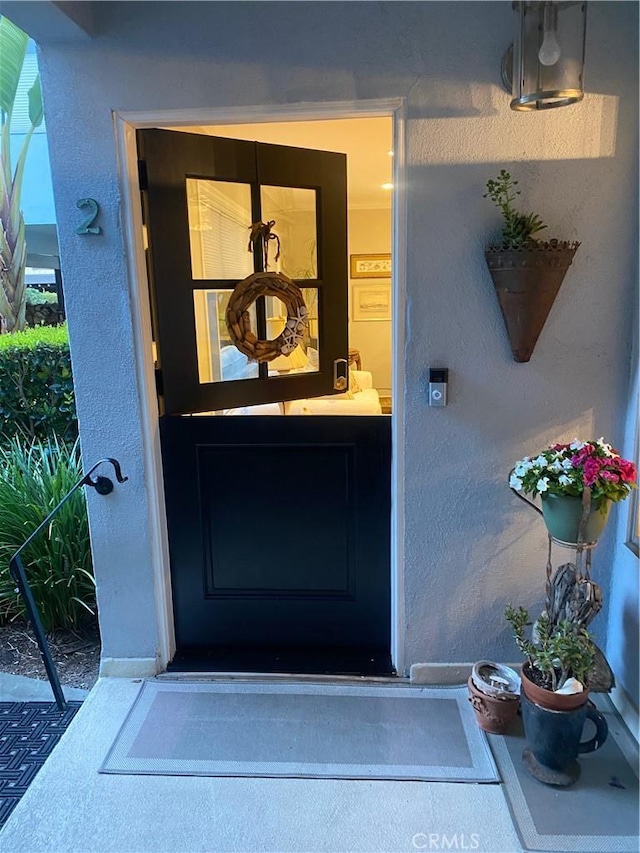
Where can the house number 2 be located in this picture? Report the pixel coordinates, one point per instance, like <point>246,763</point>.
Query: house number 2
<point>87,227</point>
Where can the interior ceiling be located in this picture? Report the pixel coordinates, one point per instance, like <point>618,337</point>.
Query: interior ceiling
<point>365,141</point>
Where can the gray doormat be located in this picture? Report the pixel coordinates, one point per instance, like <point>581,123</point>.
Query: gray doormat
<point>302,730</point>
<point>598,814</point>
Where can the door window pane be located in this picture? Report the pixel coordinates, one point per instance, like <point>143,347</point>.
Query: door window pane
<point>294,211</point>
<point>310,295</point>
<point>218,359</point>
<point>219,228</point>
<point>305,357</point>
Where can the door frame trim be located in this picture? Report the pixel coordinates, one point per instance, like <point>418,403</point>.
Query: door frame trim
<point>125,125</point>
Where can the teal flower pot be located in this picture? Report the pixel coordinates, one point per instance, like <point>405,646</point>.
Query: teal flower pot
<point>562,515</point>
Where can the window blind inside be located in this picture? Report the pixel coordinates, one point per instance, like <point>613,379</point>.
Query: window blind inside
<point>219,221</point>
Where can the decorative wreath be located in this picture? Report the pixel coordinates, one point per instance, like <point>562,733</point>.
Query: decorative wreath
<point>239,322</point>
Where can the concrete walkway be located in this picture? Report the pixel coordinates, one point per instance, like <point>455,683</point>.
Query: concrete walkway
<point>72,808</point>
<point>19,688</point>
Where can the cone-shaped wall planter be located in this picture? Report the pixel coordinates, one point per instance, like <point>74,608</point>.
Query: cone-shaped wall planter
<point>527,282</point>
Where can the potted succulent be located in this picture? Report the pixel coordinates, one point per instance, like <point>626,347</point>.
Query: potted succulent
<point>577,483</point>
<point>560,659</point>
<point>526,272</point>
<point>555,694</point>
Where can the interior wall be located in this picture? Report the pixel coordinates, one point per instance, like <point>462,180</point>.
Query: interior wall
<point>469,545</point>
<point>370,234</point>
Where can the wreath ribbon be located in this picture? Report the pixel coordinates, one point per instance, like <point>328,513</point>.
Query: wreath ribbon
<point>262,230</point>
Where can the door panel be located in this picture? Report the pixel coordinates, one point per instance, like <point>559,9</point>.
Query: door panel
<point>279,531</point>
<point>277,167</point>
<point>279,528</point>
<point>231,565</point>
<point>196,208</point>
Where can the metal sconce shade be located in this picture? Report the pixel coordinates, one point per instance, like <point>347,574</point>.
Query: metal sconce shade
<point>548,55</point>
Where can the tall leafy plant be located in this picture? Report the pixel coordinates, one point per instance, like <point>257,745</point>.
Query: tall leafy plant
<point>13,247</point>
<point>34,477</point>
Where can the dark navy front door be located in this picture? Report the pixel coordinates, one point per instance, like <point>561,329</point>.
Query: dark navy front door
<point>279,527</point>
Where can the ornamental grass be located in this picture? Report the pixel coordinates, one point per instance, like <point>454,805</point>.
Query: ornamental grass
<point>34,477</point>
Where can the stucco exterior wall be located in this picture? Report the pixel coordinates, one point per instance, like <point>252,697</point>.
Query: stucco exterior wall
<point>623,628</point>
<point>470,546</point>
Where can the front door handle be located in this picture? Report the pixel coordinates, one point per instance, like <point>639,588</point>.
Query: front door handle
<point>340,371</point>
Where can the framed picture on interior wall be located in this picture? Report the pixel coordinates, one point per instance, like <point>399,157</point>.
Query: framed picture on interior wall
<point>371,266</point>
<point>371,301</point>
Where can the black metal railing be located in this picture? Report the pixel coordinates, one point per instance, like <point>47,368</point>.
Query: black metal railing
<point>103,486</point>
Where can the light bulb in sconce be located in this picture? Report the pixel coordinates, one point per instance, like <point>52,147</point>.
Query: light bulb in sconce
<point>549,52</point>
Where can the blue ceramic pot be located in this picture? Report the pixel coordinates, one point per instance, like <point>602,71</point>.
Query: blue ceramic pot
<point>554,737</point>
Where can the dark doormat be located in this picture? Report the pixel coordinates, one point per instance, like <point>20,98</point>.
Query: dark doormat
<point>598,814</point>
<point>29,731</point>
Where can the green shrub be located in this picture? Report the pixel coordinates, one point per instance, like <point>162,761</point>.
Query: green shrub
<point>34,477</point>
<point>36,385</point>
<point>40,297</point>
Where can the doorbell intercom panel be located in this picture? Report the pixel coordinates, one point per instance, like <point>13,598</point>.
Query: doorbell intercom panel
<point>438,381</point>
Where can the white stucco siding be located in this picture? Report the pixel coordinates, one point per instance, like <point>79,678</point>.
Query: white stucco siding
<point>469,545</point>
<point>624,613</point>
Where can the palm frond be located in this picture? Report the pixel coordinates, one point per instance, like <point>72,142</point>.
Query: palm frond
<point>13,47</point>
<point>13,253</point>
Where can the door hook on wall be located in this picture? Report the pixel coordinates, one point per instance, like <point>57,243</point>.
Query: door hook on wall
<point>104,485</point>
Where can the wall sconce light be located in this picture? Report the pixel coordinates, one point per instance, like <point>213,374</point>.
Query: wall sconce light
<point>544,66</point>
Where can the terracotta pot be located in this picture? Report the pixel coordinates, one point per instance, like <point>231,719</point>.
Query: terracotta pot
<point>493,714</point>
<point>547,698</point>
<point>563,514</point>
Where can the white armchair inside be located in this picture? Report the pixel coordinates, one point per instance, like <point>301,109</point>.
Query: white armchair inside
<point>361,398</point>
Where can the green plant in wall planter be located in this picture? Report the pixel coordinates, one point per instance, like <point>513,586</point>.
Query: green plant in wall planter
<point>526,272</point>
